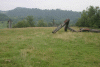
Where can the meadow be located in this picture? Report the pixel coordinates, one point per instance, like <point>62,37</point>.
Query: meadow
<point>38,47</point>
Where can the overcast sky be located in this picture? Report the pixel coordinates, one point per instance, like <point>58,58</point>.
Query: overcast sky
<point>74,5</point>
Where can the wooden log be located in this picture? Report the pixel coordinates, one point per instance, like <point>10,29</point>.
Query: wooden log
<point>94,30</point>
<point>66,22</point>
<point>72,29</point>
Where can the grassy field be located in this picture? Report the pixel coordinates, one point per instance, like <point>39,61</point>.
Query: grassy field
<point>38,47</point>
<point>3,24</point>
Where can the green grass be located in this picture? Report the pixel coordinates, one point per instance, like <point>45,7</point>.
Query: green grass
<point>3,25</point>
<point>38,47</point>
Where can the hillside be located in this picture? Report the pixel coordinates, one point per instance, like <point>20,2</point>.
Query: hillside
<point>3,20</point>
<point>38,47</point>
<point>3,17</point>
<point>47,15</point>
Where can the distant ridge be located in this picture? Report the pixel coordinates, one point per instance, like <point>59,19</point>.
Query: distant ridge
<point>43,14</point>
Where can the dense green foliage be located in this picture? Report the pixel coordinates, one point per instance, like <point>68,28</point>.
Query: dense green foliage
<point>30,20</point>
<point>46,15</point>
<point>27,22</point>
<point>38,47</point>
<point>90,18</point>
<point>41,24</point>
<point>3,17</point>
<point>19,14</point>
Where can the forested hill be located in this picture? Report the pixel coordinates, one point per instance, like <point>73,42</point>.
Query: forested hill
<point>3,17</point>
<point>47,15</point>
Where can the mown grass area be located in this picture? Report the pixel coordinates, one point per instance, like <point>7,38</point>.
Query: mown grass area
<point>38,47</point>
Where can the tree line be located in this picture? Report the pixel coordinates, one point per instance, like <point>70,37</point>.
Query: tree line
<point>46,15</point>
<point>29,22</point>
<point>19,14</point>
<point>44,18</point>
<point>90,18</point>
